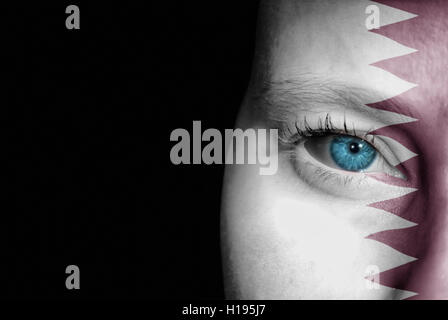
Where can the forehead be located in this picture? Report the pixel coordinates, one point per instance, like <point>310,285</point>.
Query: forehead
<point>330,39</point>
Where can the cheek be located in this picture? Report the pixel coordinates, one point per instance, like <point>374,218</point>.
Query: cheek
<point>287,241</point>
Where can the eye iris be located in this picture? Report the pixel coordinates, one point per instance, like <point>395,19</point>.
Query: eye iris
<point>351,153</point>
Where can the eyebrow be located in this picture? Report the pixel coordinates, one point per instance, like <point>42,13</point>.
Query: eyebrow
<point>276,100</point>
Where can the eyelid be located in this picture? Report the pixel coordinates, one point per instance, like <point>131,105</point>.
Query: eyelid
<point>339,183</point>
<point>383,148</point>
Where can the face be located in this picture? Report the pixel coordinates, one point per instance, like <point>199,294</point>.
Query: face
<point>358,208</point>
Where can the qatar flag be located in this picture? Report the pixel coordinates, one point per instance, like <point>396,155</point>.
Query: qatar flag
<point>427,241</point>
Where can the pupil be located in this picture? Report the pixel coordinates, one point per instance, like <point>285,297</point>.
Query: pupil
<point>354,147</point>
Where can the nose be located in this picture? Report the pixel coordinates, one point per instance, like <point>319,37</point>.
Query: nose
<point>427,241</point>
<point>427,207</point>
<point>429,275</point>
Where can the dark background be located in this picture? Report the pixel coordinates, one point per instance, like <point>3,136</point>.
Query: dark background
<point>87,123</point>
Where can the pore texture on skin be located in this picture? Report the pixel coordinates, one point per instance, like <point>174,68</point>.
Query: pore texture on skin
<point>427,241</point>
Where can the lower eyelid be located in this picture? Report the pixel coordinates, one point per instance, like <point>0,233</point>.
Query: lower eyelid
<point>334,182</point>
<point>300,157</point>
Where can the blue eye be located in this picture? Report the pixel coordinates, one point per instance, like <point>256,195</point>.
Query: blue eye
<point>349,153</point>
<point>352,154</point>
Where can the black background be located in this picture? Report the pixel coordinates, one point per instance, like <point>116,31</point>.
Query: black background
<point>87,123</point>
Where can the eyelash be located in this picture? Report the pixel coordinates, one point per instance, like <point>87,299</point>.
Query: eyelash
<point>323,128</point>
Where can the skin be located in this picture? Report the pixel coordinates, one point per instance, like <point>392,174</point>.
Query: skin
<point>295,235</point>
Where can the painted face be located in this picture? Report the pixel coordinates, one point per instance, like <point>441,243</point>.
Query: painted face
<point>358,208</point>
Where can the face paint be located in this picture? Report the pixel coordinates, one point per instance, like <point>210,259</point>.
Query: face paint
<point>428,137</point>
<point>312,230</point>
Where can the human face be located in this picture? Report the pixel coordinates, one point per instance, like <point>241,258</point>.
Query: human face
<point>362,185</point>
